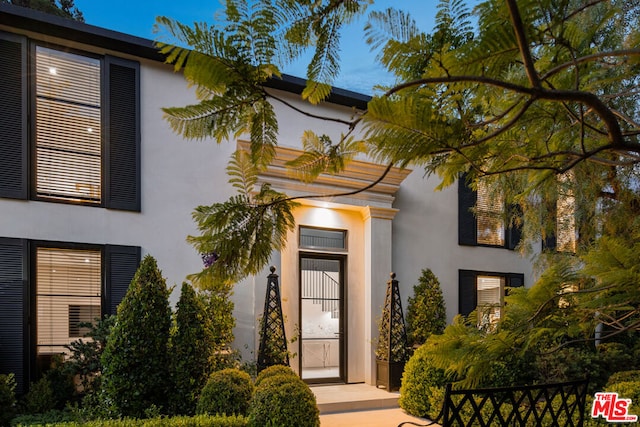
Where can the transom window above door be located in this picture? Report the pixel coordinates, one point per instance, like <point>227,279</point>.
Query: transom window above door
<point>320,238</point>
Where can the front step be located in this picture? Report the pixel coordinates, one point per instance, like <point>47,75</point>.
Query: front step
<point>353,397</point>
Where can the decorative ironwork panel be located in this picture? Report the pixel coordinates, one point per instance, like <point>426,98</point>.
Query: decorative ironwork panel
<point>559,405</point>
<point>273,340</point>
<point>392,342</point>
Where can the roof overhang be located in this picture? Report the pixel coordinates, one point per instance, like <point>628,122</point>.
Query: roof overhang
<point>33,21</point>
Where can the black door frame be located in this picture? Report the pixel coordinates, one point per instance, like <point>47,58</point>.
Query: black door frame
<point>343,333</point>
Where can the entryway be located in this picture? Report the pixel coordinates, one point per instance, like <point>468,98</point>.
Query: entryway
<point>322,314</point>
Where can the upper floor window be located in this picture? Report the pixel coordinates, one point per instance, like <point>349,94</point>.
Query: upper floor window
<point>489,216</point>
<point>565,234</point>
<point>482,218</point>
<point>68,126</point>
<point>566,231</point>
<point>82,144</point>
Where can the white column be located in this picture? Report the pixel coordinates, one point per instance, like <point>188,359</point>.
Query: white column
<point>377,266</point>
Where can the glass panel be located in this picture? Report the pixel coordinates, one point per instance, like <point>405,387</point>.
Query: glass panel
<point>316,238</point>
<point>490,216</point>
<point>68,291</point>
<point>490,290</point>
<point>68,126</point>
<point>320,330</point>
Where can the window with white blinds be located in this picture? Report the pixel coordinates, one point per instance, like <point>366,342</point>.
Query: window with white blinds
<point>566,231</point>
<point>68,126</point>
<point>489,293</point>
<point>68,292</point>
<point>490,216</point>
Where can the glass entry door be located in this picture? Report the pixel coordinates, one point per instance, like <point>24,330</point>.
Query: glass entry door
<point>322,318</point>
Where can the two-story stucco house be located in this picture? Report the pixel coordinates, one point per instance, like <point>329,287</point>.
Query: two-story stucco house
<point>92,178</point>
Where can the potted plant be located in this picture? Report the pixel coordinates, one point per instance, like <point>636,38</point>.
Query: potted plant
<point>391,349</point>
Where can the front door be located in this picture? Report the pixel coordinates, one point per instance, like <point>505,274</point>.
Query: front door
<point>322,331</point>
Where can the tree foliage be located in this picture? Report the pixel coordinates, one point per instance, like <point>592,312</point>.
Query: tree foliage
<point>539,98</point>
<point>63,8</point>
<point>135,361</point>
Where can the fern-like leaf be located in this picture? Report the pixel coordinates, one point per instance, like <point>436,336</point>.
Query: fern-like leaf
<point>242,173</point>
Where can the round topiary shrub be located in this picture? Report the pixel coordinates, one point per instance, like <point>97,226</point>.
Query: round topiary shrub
<point>274,370</point>
<point>284,400</point>
<point>227,392</point>
<point>420,381</point>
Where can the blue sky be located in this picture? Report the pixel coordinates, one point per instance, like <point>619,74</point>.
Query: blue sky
<point>359,71</point>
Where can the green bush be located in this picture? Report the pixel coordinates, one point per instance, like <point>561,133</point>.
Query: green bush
<point>624,376</point>
<point>426,312</point>
<point>419,380</point>
<point>7,398</point>
<point>135,361</point>
<point>39,398</point>
<point>220,312</point>
<point>627,385</point>
<point>53,416</point>
<point>274,370</point>
<point>197,421</point>
<point>84,359</point>
<point>191,349</point>
<point>226,392</point>
<point>284,401</point>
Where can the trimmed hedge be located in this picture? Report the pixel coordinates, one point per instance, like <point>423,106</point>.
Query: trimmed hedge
<point>284,401</point>
<point>274,370</point>
<point>421,380</point>
<point>196,421</point>
<point>226,392</point>
<point>135,361</point>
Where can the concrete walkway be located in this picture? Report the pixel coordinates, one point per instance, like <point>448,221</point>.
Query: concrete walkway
<point>359,405</point>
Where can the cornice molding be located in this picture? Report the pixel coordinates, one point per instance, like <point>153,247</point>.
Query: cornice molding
<point>358,174</point>
<point>372,212</point>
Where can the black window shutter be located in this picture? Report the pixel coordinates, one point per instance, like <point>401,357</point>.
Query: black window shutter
<point>122,134</point>
<point>13,295</point>
<point>13,116</point>
<point>515,280</point>
<point>467,292</point>
<point>467,224</point>
<point>550,242</point>
<point>514,232</point>
<point>121,263</point>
